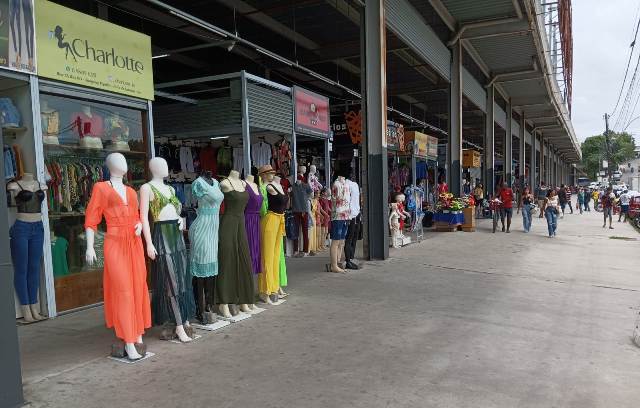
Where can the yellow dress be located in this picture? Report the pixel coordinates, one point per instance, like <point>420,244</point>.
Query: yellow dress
<point>313,235</point>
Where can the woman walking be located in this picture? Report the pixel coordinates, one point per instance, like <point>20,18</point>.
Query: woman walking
<point>551,212</point>
<point>526,200</point>
<point>478,194</point>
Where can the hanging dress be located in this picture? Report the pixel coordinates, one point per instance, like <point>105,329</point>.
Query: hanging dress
<point>235,282</point>
<point>252,226</point>
<point>272,228</point>
<point>126,296</point>
<point>203,233</point>
<point>313,241</point>
<point>172,299</point>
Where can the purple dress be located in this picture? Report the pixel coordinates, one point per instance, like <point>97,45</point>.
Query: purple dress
<point>252,226</point>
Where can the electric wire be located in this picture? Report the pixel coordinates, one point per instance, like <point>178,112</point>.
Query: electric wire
<point>626,72</point>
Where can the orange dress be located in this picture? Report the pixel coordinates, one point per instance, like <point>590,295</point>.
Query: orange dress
<point>126,297</point>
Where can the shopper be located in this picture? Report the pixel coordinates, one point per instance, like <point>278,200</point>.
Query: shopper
<point>525,203</point>
<point>478,195</point>
<point>625,200</point>
<point>551,212</point>
<point>353,230</point>
<point>607,207</point>
<point>506,196</point>
<point>581,202</point>
<point>562,198</point>
<point>541,196</point>
<point>587,200</point>
<point>569,193</point>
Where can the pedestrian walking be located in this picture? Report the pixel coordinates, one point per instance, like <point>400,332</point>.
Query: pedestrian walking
<point>478,195</point>
<point>587,200</point>
<point>562,198</point>
<point>607,207</point>
<point>551,211</point>
<point>581,203</point>
<point>525,203</point>
<point>506,196</point>
<point>625,200</point>
<point>569,194</point>
<point>541,196</point>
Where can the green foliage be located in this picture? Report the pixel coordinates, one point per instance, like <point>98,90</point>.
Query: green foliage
<point>594,151</point>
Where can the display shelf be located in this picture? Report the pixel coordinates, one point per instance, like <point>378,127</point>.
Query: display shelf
<point>102,152</point>
<point>13,131</point>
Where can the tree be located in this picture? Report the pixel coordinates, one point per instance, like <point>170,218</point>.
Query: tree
<point>594,151</point>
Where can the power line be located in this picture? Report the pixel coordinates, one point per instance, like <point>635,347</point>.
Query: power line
<point>626,71</point>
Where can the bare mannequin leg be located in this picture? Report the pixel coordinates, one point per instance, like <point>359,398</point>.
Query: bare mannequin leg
<point>224,310</point>
<point>35,311</point>
<point>265,298</point>
<point>26,314</point>
<point>182,335</point>
<point>245,308</point>
<point>132,354</point>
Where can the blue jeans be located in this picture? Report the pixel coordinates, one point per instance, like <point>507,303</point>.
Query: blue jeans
<point>526,217</point>
<point>552,220</point>
<point>27,239</point>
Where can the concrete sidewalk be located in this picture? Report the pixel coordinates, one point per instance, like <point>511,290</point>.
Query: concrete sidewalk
<point>459,320</point>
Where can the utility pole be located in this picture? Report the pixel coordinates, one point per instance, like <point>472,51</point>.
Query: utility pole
<point>608,147</point>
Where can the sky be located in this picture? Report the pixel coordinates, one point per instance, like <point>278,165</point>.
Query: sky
<point>602,33</point>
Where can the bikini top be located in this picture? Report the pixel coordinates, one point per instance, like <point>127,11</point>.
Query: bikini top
<point>277,202</point>
<point>160,201</point>
<point>29,201</point>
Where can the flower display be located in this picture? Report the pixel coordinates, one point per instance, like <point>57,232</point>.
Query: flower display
<point>448,202</point>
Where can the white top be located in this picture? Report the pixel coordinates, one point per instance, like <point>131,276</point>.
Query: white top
<point>552,202</point>
<point>260,154</point>
<point>354,200</point>
<point>625,199</point>
<point>238,159</point>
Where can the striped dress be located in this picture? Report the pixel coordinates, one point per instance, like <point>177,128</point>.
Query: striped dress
<point>203,233</point>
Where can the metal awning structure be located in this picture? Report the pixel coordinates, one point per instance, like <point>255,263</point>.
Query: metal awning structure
<point>508,41</point>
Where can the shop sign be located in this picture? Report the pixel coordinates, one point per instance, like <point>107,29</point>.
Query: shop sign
<point>87,51</point>
<point>17,42</point>
<point>432,147</point>
<point>417,142</point>
<point>470,158</point>
<point>311,116</point>
<point>395,136</point>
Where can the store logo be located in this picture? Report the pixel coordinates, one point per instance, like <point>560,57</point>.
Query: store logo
<point>81,48</point>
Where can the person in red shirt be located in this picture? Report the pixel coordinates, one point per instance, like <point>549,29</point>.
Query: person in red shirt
<point>506,196</point>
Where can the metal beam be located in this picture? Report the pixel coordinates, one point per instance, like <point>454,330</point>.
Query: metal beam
<point>478,24</point>
<point>489,144</point>
<point>455,121</point>
<point>176,97</point>
<point>508,146</point>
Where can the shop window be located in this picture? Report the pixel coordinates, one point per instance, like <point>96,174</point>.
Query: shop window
<point>77,136</point>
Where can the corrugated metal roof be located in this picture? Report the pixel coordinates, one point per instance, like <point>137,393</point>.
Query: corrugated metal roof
<point>506,53</point>
<point>471,10</point>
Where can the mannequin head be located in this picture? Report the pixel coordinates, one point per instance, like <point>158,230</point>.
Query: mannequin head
<point>267,177</point>
<point>302,169</point>
<point>234,174</point>
<point>266,173</point>
<point>86,110</point>
<point>158,167</point>
<point>400,198</point>
<point>312,169</point>
<point>394,207</point>
<point>117,164</point>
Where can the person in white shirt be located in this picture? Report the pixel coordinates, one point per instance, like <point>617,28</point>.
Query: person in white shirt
<point>353,231</point>
<point>625,200</point>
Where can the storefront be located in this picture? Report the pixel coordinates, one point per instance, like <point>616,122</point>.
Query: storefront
<point>87,101</point>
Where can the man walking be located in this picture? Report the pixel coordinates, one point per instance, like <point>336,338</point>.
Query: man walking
<point>541,195</point>
<point>506,196</point>
<point>581,203</point>
<point>562,198</point>
<point>587,199</point>
<point>625,200</point>
<point>353,230</point>
<point>569,203</point>
<point>607,207</point>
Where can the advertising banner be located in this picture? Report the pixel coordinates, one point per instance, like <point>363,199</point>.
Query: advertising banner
<point>87,51</point>
<point>395,136</point>
<point>417,142</point>
<point>432,147</point>
<point>311,113</point>
<point>17,41</point>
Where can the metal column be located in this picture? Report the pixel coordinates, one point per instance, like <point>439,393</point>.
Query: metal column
<point>489,145</point>
<point>455,120</point>
<point>508,147</point>
<point>532,162</point>
<point>10,373</point>
<point>375,121</point>
<point>523,154</point>
<point>246,137</point>
<point>327,164</point>
<point>543,156</point>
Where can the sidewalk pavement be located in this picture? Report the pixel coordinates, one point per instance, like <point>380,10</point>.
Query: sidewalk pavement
<point>458,320</point>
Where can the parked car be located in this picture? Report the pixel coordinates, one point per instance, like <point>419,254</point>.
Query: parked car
<point>634,205</point>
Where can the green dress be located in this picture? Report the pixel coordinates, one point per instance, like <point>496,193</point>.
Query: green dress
<point>234,284</point>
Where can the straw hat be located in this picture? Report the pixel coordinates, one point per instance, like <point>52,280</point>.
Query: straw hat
<point>265,169</point>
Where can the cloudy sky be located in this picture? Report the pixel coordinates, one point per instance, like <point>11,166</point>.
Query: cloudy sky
<point>602,33</point>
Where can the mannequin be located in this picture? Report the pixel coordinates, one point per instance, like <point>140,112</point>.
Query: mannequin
<point>234,284</point>
<point>313,179</point>
<point>272,229</point>
<point>172,290</point>
<point>302,170</point>
<point>400,199</point>
<point>126,296</point>
<point>117,130</point>
<point>340,215</point>
<point>252,223</point>
<point>203,237</point>
<point>283,265</point>
<point>50,120</point>
<point>89,127</point>
<point>324,218</point>
<point>301,195</point>
<point>27,237</point>
<point>394,224</point>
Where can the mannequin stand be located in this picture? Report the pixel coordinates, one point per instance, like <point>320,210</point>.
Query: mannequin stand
<point>213,326</point>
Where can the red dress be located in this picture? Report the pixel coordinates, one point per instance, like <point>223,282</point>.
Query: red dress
<point>401,211</point>
<point>126,296</point>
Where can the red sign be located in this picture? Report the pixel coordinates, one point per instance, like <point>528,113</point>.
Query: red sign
<point>311,113</point>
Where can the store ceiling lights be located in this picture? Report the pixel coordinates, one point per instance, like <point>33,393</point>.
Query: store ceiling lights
<point>219,137</point>
<point>160,56</point>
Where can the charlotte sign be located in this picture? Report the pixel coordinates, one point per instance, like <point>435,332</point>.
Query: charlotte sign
<point>91,52</point>
<point>311,114</point>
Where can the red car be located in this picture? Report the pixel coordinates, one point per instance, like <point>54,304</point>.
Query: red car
<point>634,207</point>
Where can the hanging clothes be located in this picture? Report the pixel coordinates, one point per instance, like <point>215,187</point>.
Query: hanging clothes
<point>238,159</point>
<point>260,154</point>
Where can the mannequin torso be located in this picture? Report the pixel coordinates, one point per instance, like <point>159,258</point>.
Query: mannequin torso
<point>233,182</point>
<point>26,183</point>
<point>250,182</point>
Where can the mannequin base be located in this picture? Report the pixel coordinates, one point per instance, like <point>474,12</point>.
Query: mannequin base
<point>237,318</point>
<point>178,341</point>
<point>223,310</point>
<point>279,302</point>
<point>264,298</point>
<point>126,360</point>
<point>256,310</point>
<point>213,326</point>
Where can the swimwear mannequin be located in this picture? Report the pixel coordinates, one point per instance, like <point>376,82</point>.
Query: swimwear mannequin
<point>160,170</point>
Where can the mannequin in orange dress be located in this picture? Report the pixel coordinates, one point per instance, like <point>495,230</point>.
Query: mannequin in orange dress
<point>126,297</point>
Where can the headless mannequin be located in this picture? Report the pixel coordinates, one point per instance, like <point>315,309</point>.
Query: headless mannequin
<point>273,187</point>
<point>90,141</point>
<point>30,313</point>
<point>394,224</point>
<point>205,287</point>
<point>337,246</point>
<point>117,165</point>
<point>160,170</point>
<point>250,181</point>
<point>226,186</point>
<point>313,179</point>
<point>400,199</point>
